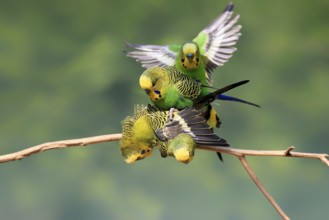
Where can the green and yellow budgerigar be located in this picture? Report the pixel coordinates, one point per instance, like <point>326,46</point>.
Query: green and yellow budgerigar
<point>212,47</point>
<point>174,133</point>
<point>168,88</point>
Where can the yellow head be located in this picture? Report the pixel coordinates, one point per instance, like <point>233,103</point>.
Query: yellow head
<point>133,153</point>
<point>137,141</point>
<point>182,147</point>
<point>190,56</point>
<point>151,80</point>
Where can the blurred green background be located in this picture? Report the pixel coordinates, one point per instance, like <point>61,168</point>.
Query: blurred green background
<point>63,75</point>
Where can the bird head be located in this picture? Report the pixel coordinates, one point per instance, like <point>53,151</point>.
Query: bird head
<point>137,140</point>
<point>146,82</point>
<point>182,147</point>
<point>132,146</point>
<point>150,82</point>
<point>132,154</point>
<point>190,56</point>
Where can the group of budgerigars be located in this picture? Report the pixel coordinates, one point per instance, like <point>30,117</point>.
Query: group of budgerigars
<point>178,82</point>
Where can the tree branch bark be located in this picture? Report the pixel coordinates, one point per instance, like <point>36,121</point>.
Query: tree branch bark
<point>116,137</point>
<point>59,144</point>
<point>239,153</point>
<point>262,188</point>
<point>276,153</point>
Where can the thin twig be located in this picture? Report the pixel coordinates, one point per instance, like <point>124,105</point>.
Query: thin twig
<point>240,153</point>
<point>116,137</point>
<point>58,144</point>
<point>262,188</point>
<point>276,153</point>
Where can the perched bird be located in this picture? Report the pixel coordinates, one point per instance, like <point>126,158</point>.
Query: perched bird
<point>151,127</point>
<point>174,133</point>
<point>212,47</point>
<point>168,87</point>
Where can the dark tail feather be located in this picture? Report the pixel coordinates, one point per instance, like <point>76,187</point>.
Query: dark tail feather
<point>220,156</point>
<point>231,98</point>
<point>212,96</point>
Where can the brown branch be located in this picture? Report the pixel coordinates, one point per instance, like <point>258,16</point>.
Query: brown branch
<point>284,153</point>
<point>240,153</point>
<point>262,188</point>
<point>278,153</point>
<point>58,144</point>
<point>116,137</point>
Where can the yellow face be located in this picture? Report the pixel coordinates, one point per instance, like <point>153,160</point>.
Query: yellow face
<point>131,153</point>
<point>150,88</point>
<point>154,94</point>
<point>190,56</point>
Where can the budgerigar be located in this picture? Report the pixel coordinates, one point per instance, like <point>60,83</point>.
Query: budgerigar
<point>212,47</point>
<point>168,88</point>
<point>167,131</point>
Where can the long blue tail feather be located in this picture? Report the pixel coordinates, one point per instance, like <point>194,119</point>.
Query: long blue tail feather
<point>231,98</point>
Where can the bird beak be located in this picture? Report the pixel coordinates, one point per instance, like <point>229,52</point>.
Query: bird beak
<point>190,56</point>
<point>147,91</point>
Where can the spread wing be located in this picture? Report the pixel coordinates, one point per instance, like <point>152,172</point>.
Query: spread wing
<point>217,40</point>
<point>190,121</point>
<point>153,55</point>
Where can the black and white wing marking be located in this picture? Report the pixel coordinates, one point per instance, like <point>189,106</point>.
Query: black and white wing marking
<point>190,121</point>
<point>217,40</point>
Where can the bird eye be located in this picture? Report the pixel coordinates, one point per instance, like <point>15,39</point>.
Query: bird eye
<point>197,59</point>
<point>147,91</point>
<point>182,60</point>
<point>143,152</point>
<point>157,92</point>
